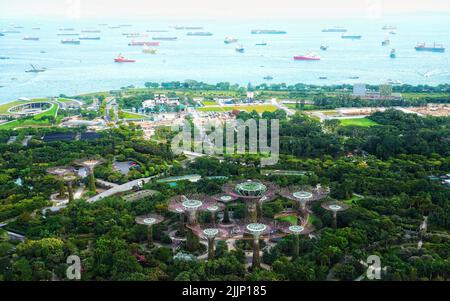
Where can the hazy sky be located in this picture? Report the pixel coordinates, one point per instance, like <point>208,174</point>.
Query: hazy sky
<point>211,9</point>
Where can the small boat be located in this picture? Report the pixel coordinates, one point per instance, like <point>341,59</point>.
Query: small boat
<point>307,57</point>
<point>385,42</point>
<point>324,48</point>
<point>268,77</point>
<point>239,48</point>
<point>121,59</point>
<point>351,37</point>
<point>188,27</point>
<point>4,57</point>
<point>353,77</point>
<point>35,70</point>
<point>2,34</point>
<point>36,28</point>
<point>323,77</point>
<point>393,54</point>
<point>157,30</point>
<point>27,38</point>
<point>66,29</point>
<point>261,44</point>
<point>229,40</point>
<point>88,38</point>
<point>392,32</point>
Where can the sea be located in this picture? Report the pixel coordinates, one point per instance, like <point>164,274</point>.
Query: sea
<point>90,66</point>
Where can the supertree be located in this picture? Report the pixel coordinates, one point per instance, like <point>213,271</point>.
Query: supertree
<point>335,207</point>
<point>253,194</point>
<point>225,199</point>
<point>63,174</point>
<point>149,220</point>
<point>69,179</point>
<point>296,231</point>
<point>210,233</point>
<point>256,229</point>
<point>90,164</point>
<point>213,209</point>
<point>303,195</point>
<point>190,205</point>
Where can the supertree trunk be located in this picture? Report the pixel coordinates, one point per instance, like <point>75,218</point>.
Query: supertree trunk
<point>334,219</point>
<point>70,191</point>
<point>181,230</point>
<point>150,236</point>
<point>213,218</point>
<point>256,262</point>
<point>211,252</point>
<point>295,247</point>
<point>92,181</point>
<point>252,211</point>
<point>226,215</point>
<point>62,193</point>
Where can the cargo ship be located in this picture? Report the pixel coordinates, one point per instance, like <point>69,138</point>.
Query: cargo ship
<point>121,59</point>
<point>199,33</point>
<point>10,31</point>
<point>261,44</point>
<point>307,57</point>
<point>229,40</point>
<point>36,28</point>
<point>267,31</point>
<point>88,38</point>
<point>324,48</point>
<point>67,29</point>
<point>1,34</point>
<point>164,38</point>
<point>27,38</point>
<point>351,37</point>
<point>385,42</point>
<point>334,29</point>
<point>143,43</point>
<point>70,41</point>
<point>268,77</point>
<point>239,48</point>
<point>157,30</point>
<point>434,48</point>
<point>393,54</point>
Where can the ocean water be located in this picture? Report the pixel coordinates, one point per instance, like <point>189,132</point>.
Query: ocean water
<point>89,67</point>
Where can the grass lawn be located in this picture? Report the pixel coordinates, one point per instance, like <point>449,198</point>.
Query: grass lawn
<point>34,121</point>
<point>358,122</point>
<point>257,108</point>
<point>292,219</point>
<point>306,106</point>
<point>5,107</point>
<point>129,115</point>
<point>209,103</point>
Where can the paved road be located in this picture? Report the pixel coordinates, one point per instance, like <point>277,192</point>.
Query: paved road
<point>119,188</point>
<point>281,106</point>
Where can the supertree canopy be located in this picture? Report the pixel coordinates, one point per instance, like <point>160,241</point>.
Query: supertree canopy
<point>225,199</point>
<point>149,220</point>
<point>191,204</point>
<point>253,193</point>
<point>335,207</point>
<point>64,174</point>
<point>90,164</point>
<point>303,195</point>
